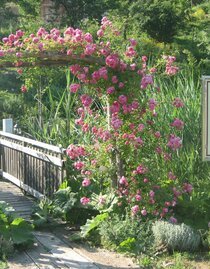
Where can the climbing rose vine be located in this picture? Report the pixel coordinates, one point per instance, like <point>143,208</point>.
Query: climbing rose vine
<point>119,108</point>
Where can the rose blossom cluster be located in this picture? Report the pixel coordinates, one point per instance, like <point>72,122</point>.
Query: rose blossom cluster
<point>75,151</point>
<point>171,69</point>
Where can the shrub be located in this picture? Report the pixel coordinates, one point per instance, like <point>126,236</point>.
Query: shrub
<point>126,234</point>
<point>176,237</point>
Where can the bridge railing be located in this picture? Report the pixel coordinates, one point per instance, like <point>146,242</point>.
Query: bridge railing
<point>36,167</point>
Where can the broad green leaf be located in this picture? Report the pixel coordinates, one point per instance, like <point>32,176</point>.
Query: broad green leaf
<point>92,224</point>
<point>21,231</point>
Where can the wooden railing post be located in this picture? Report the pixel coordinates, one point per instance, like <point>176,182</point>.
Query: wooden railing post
<point>8,125</point>
<point>1,160</point>
<point>24,165</point>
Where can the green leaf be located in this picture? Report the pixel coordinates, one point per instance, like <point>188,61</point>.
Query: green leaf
<point>63,185</point>
<point>5,207</point>
<point>75,237</point>
<point>3,218</point>
<point>127,245</point>
<point>92,224</point>
<point>39,220</point>
<point>21,231</point>
<point>64,200</point>
<point>5,232</point>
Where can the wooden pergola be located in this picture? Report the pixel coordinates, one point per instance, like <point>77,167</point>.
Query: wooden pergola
<point>33,59</point>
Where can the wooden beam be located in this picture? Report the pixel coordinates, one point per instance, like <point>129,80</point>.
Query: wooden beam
<point>38,155</point>
<point>49,59</point>
<point>32,142</point>
<point>21,185</point>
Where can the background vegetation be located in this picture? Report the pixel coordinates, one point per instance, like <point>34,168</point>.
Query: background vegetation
<point>179,27</point>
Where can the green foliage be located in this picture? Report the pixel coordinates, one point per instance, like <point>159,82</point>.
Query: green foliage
<point>160,19</point>
<point>66,204</point>
<point>3,265</point>
<point>9,81</point>
<point>76,11</point>
<point>93,223</point>
<point>146,262</point>
<point>11,106</point>
<point>40,214</point>
<point>194,38</point>
<point>29,7</point>
<point>109,204</point>
<point>49,110</point>
<point>126,234</point>
<point>15,13</point>
<point>52,121</point>
<point>187,86</point>
<point>127,245</point>
<point>20,231</point>
<point>176,236</point>
<point>14,232</point>
<point>9,17</point>
<point>6,248</point>
<point>64,200</point>
<point>205,237</point>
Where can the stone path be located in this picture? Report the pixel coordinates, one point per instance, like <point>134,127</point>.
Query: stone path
<point>48,250</point>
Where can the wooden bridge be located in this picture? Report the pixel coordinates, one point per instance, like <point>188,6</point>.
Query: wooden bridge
<point>23,205</point>
<point>36,168</point>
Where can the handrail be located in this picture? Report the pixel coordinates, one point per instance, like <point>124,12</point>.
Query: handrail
<point>36,167</point>
<point>36,143</point>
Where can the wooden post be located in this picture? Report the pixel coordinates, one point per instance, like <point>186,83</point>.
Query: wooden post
<point>113,159</point>
<point>8,125</point>
<point>1,161</point>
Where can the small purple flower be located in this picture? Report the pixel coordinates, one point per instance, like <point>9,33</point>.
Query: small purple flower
<point>173,220</point>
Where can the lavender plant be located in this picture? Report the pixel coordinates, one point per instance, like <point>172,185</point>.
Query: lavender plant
<point>176,236</point>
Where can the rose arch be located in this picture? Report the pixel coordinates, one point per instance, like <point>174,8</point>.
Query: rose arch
<point>127,145</point>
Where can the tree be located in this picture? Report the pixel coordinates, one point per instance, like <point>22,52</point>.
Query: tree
<point>159,19</point>
<point>78,10</point>
<point>9,16</point>
<point>14,13</point>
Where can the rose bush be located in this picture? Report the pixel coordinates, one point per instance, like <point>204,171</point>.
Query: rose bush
<point>130,149</point>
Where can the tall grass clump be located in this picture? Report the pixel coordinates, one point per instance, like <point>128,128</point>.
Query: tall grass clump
<point>187,86</point>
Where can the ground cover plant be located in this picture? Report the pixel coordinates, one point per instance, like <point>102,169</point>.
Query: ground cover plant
<point>126,130</point>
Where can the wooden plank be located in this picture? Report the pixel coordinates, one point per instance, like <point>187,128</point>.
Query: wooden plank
<point>32,142</point>
<point>32,152</point>
<point>21,260</point>
<point>63,252</point>
<point>21,204</point>
<point>15,198</point>
<point>22,209</point>
<point>49,58</point>
<point>23,186</point>
<point>42,257</point>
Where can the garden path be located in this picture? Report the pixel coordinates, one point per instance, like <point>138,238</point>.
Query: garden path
<point>48,250</point>
<point>14,196</point>
<point>53,250</point>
